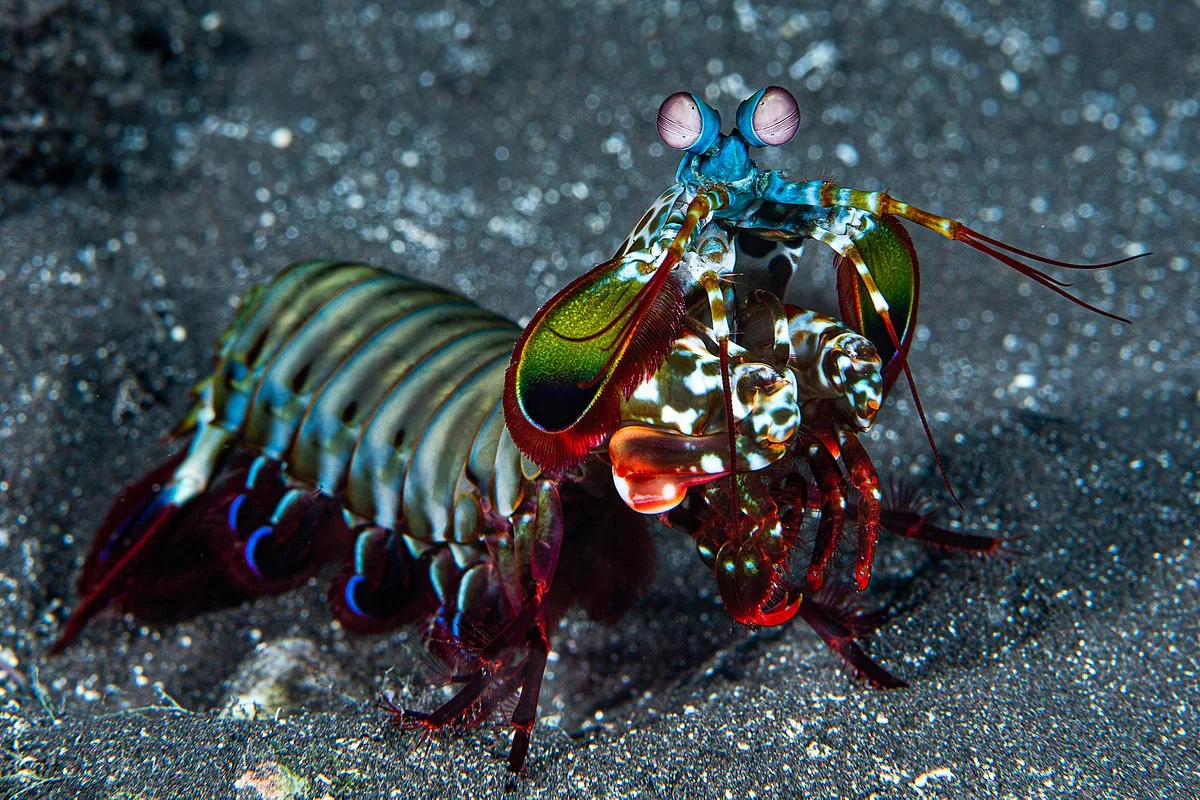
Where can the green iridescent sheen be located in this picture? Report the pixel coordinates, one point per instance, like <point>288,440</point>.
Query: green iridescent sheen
<point>565,364</point>
<point>887,250</point>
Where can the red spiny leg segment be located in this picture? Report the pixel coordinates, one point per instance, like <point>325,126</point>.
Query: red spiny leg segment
<point>862,476</point>
<point>526,711</point>
<point>918,528</point>
<point>515,657</point>
<point>906,513</point>
<point>831,489</point>
<point>836,627</point>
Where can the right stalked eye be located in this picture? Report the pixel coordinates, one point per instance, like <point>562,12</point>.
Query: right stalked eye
<point>685,122</point>
<point>769,117</point>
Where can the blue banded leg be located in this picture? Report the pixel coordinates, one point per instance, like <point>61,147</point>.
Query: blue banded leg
<point>248,517</point>
<point>278,536</point>
<point>284,543</point>
<point>386,584</point>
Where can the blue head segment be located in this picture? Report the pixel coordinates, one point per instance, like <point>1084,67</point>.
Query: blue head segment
<point>769,117</point>
<point>685,122</point>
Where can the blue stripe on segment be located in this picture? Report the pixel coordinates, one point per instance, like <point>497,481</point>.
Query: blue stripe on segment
<point>255,468</point>
<point>135,521</point>
<point>284,504</point>
<point>233,511</point>
<point>351,603</point>
<point>456,626</point>
<point>442,613</point>
<point>251,543</point>
<point>361,543</point>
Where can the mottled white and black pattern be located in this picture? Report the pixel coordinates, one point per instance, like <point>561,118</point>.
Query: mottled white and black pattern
<point>767,263</point>
<point>827,361</point>
<point>658,222</point>
<point>832,361</point>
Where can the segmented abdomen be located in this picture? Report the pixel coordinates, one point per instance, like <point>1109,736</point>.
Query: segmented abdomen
<point>377,389</point>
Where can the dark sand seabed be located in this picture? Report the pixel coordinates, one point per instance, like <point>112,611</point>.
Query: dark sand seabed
<point>190,149</point>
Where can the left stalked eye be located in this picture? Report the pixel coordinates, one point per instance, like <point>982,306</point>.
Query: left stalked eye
<point>685,122</point>
<point>769,117</point>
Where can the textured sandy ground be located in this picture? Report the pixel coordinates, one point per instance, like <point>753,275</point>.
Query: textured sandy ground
<point>500,152</point>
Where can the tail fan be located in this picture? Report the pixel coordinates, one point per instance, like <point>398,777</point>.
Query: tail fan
<point>142,515</point>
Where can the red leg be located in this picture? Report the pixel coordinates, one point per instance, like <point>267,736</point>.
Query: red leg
<point>906,513</point>
<point>516,656</point>
<point>526,711</point>
<point>837,628</point>
<point>486,666</point>
<point>450,711</point>
<point>918,527</point>
<point>493,698</point>
<point>862,476</point>
<point>831,488</point>
<point>538,547</point>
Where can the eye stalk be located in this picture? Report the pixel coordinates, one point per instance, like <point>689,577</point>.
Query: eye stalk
<point>685,122</point>
<point>769,117</point>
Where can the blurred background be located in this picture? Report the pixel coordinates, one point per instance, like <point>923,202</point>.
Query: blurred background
<point>159,158</point>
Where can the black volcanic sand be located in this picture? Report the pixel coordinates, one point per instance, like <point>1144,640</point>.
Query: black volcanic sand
<point>159,158</point>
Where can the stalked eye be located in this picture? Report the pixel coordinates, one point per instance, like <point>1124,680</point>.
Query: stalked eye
<point>769,117</point>
<point>685,122</point>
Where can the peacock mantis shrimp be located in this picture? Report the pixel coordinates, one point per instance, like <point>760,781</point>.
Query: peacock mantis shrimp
<point>480,481</point>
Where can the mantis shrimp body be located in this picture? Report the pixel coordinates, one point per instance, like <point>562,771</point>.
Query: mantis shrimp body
<point>480,481</point>
<point>354,417</point>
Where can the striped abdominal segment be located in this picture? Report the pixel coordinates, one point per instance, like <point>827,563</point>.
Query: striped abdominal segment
<point>376,389</point>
